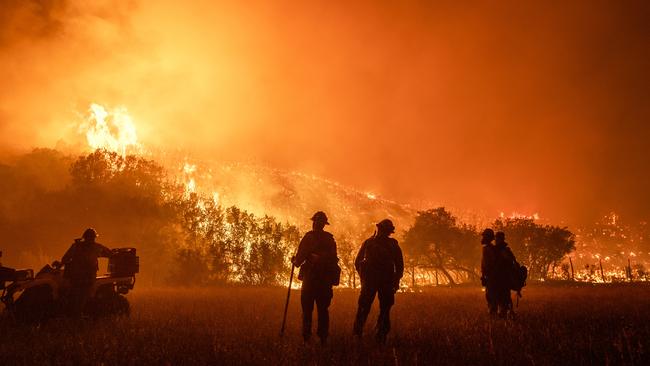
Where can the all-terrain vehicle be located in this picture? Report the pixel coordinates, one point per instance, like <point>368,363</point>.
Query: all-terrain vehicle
<point>35,298</point>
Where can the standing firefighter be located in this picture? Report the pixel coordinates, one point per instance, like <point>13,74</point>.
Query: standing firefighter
<point>500,270</point>
<point>380,265</point>
<point>81,267</point>
<point>319,271</point>
<point>487,265</point>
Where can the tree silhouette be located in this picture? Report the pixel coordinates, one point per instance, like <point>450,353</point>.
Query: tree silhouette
<point>537,246</point>
<point>439,241</point>
<point>347,252</point>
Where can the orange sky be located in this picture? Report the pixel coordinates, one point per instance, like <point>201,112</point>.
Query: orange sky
<point>500,107</point>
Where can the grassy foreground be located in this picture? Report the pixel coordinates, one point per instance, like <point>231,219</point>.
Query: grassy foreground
<point>555,325</point>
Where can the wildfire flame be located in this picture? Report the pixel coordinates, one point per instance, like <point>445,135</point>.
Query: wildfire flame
<point>110,130</point>
<point>517,215</point>
<point>114,130</point>
<point>190,182</point>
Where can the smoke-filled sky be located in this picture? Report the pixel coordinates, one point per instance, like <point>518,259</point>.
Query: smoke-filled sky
<point>495,106</point>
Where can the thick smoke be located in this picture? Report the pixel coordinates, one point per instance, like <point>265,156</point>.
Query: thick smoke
<point>506,107</point>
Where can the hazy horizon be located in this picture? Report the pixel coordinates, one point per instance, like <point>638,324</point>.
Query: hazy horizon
<point>509,107</point>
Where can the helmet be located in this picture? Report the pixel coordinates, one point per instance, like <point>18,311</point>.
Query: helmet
<point>488,236</point>
<point>320,217</point>
<point>386,225</point>
<point>89,234</point>
<point>488,233</point>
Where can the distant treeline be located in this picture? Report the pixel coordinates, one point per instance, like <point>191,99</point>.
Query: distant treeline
<point>185,238</point>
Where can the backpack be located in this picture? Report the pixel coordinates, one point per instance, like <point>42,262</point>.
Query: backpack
<point>377,263</point>
<point>518,277</point>
<point>334,273</point>
<point>327,271</point>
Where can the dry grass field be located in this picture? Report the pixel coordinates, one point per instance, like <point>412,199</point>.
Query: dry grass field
<point>555,325</point>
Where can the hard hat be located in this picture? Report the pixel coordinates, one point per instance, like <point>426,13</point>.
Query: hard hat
<point>488,232</point>
<point>89,234</point>
<point>321,217</point>
<point>386,225</point>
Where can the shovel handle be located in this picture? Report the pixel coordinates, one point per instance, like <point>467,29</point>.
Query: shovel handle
<point>286,304</point>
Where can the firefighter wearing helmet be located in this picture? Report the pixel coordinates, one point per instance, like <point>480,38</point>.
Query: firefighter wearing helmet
<point>381,266</point>
<point>487,260</point>
<point>81,267</point>
<point>319,271</point>
<point>497,263</point>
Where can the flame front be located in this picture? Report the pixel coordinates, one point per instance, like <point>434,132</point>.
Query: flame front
<point>110,130</point>
<point>114,130</point>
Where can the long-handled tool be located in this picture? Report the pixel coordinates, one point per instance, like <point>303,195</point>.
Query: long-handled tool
<point>286,304</point>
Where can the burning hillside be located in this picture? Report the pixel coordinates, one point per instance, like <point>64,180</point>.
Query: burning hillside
<point>239,222</point>
<point>210,222</point>
<point>292,196</point>
<point>289,196</point>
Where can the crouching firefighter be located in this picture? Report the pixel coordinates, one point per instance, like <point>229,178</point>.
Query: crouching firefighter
<point>319,271</point>
<point>81,267</point>
<point>380,265</point>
